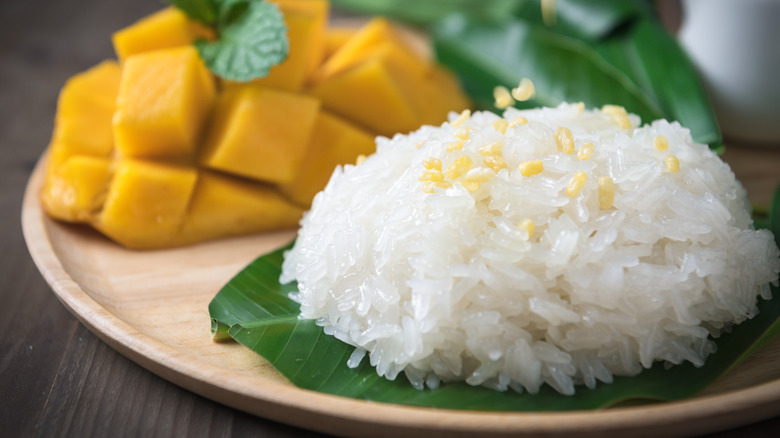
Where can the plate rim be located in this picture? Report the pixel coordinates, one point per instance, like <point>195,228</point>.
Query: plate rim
<point>321,412</point>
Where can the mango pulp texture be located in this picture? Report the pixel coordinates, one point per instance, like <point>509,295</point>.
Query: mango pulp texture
<point>154,151</point>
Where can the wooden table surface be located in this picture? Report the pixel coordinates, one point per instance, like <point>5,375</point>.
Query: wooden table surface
<point>57,378</point>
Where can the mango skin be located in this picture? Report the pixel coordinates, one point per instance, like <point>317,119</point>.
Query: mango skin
<point>164,99</point>
<point>260,133</point>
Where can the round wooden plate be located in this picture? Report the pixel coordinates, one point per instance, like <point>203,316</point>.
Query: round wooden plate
<point>152,306</point>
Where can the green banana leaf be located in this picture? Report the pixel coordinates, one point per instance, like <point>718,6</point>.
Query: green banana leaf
<point>596,51</point>
<point>254,309</point>
<point>562,68</point>
<point>639,67</point>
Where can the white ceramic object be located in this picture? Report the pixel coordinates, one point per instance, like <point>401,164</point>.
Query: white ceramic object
<point>735,44</point>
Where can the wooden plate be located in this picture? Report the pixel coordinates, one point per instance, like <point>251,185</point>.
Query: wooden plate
<point>153,308</point>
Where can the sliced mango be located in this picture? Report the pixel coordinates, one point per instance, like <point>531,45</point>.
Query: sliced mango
<point>260,133</point>
<point>146,203</point>
<point>372,95</point>
<point>151,153</point>
<point>164,29</point>
<point>333,142</point>
<point>76,189</point>
<point>85,108</point>
<point>305,22</point>
<point>164,98</point>
<point>227,206</point>
<point>336,37</point>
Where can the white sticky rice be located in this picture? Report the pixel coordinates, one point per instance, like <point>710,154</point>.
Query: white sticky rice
<point>445,286</point>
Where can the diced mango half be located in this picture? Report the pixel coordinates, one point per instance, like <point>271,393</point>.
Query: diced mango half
<point>164,98</point>
<point>260,133</point>
<point>85,108</point>
<point>153,154</point>
<point>165,29</point>
<point>76,189</point>
<point>305,22</point>
<point>334,142</point>
<point>227,206</point>
<point>146,203</point>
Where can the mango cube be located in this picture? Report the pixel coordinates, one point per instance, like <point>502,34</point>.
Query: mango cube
<point>372,94</point>
<point>364,44</point>
<point>75,190</point>
<point>164,98</point>
<point>260,133</point>
<point>305,22</point>
<point>336,37</point>
<point>146,203</point>
<point>226,206</point>
<point>85,108</point>
<point>164,29</point>
<point>334,142</point>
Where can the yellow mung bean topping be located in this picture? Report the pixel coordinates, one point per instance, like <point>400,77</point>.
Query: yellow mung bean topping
<point>495,162</point>
<point>432,163</point>
<point>459,167</point>
<point>500,125</point>
<point>462,118</point>
<point>528,225</point>
<point>530,168</point>
<point>576,183</point>
<point>520,120</point>
<point>503,98</point>
<point>585,151</point>
<point>455,146</point>
<point>672,164</point>
<point>492,148</point>
<point>431,175</point>
<point>606,192</point>
<point>660,143</point>
<point>524,91</point>
<point>564,140</point>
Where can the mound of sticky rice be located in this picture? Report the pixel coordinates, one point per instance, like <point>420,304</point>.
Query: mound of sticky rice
<point>557,245</point>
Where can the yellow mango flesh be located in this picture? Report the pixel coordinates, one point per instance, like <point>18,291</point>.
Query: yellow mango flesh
<point>225,206</point>
<point>371,95</point>
<point>76,189</point>
<point>260,133</point>
<point>334,142</point>
<point>152,154</point>
<point>164,29</point>
<point>336,37</point>
<point>360,46</point>
<point>85,108</point>
<point>305,22</point>
<point>146,203</point>
<point>164,98</point>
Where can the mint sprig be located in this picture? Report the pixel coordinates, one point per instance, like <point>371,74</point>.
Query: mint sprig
<point>251,36</point>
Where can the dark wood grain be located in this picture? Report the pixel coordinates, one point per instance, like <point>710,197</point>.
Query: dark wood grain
<point>57,378</point>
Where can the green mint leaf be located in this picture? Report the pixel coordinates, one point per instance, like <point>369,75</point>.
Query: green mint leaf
<point>204,11</point>
<point>252,38</point>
